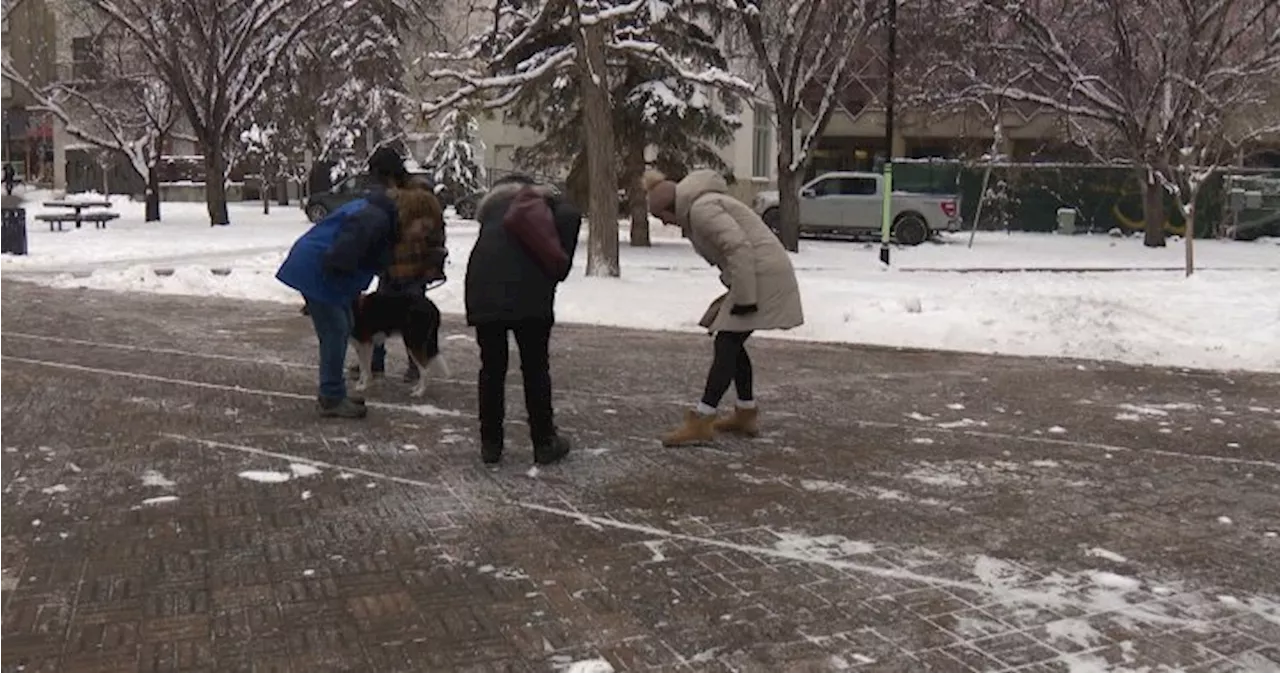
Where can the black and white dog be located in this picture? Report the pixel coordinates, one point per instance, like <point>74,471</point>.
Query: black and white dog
<point>414,317</point>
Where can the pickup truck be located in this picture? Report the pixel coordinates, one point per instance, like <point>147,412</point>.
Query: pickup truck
<point>851,204</point>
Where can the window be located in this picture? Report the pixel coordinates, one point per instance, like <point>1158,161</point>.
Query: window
<point>826,187</point>
<point>858,186</point>
<point>762,142</point>
<point>86,58</point>
<point>845,187</point>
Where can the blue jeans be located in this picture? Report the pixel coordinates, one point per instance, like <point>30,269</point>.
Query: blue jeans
<point>333,324</point>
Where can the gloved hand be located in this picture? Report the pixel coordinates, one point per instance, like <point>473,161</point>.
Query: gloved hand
<point>740,309</point>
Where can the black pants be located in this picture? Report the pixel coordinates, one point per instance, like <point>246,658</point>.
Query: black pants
<point>533,338</point>
<point>731,364</point>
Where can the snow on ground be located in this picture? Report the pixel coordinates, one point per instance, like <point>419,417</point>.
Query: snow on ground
<point>1227,316</point>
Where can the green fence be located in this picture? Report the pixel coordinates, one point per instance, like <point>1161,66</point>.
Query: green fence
<point>1026,197</point>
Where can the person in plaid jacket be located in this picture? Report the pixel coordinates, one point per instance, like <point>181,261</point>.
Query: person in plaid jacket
<point>418,256</point>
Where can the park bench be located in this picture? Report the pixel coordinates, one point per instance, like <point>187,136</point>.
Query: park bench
<point>99,220</point>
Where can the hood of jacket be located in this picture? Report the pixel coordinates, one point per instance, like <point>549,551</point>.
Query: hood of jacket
<point>694,186</point>
<point>418,210</point>
<point>501,195</point>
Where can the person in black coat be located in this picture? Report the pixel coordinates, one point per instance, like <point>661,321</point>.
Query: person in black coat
<point>510,288</point>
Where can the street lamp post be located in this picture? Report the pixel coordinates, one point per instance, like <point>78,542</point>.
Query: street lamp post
<point>886,223</point>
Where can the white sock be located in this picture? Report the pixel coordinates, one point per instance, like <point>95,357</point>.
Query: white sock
<point>746,404</point>
<point>704,410</point>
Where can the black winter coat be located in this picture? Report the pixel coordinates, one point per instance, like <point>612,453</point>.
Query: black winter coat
<point>505,284</point>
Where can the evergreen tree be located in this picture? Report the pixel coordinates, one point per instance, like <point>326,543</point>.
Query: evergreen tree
<point>455,158</point>
<point>533,44</point>
<point>347,84</point>
<point>653,107</point>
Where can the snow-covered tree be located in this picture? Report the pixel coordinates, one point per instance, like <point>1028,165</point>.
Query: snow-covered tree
<point>804,51</point>
<point>217,57</point>
<point>362,101</point>
<point>653,107</point>
<point>532,43</point>
<point>1172,89</point>
<point>122,106</point>
<point>456,157</point>
<point>950,75</point>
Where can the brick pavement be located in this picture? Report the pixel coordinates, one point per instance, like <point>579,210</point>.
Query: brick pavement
<point>170,504</point>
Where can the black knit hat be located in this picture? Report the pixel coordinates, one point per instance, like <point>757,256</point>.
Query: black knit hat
<point>386,164</point>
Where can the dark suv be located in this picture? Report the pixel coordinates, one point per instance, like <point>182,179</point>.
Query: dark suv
<point>320,204</point>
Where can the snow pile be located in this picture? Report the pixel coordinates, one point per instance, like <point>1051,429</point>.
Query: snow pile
<point>1225,317</point>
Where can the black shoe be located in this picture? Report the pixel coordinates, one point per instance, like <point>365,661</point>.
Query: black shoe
<point>552,451</point>
<point>491,452</point>
<point>341,407</point>
<point>411,375</point>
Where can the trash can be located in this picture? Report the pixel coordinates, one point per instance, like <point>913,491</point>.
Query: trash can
<point>13,231</point>
<point>1066,220</point>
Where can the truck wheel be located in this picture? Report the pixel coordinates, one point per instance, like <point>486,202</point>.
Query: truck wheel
<point>317,212</point>
<point>773,219</point>
<point>910,229</point>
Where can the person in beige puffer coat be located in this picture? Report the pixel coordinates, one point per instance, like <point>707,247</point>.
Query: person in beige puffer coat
<point>762,293</point>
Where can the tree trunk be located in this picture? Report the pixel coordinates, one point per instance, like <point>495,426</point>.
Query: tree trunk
<point>1190,252</point>
<point>788,184</point>
<point>597,129</point>
<point>283,195</point>
<point>152,194</point>
<point>1152,211</point>
<point>215,185</point>
<point>264,183</point>
<point>637,202</point>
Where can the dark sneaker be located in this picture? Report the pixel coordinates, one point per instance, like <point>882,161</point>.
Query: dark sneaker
<point>491,452</point>
<point>411,375</point>
<point>341,408</point>
<point>552,451</point>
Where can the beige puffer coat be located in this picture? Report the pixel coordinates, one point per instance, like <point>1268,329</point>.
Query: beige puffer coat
<point>752,262</point>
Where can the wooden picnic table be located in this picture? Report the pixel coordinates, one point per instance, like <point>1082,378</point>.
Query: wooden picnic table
<point>78,215</point>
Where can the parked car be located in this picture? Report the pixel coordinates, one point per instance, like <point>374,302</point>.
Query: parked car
<point>320,204</point>
<point>850,204</point>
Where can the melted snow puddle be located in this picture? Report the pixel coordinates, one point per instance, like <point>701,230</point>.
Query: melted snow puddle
<point>298,470</point>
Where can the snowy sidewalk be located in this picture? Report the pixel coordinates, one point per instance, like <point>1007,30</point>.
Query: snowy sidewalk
<point>171,501</point>
<point>946,297</point>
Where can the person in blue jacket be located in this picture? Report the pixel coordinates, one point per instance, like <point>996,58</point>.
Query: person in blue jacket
<point>334,262</point>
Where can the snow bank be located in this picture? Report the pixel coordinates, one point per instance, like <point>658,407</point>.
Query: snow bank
<point>1225,317</point>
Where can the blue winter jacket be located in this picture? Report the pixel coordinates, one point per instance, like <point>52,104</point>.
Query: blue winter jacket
<point>338,257</point>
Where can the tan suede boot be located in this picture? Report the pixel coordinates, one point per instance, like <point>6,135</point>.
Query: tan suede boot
<point>741,422</point>
<point>695,430</point>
